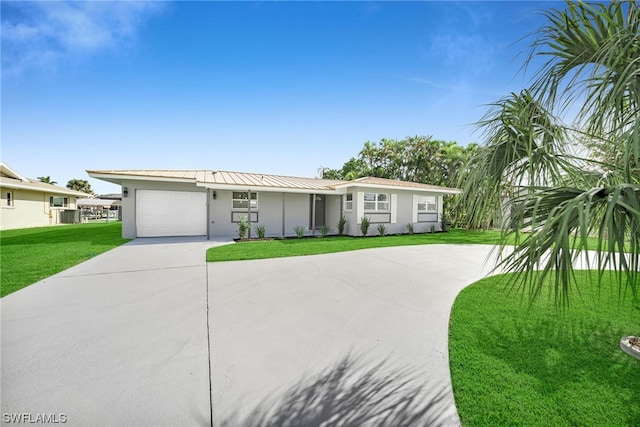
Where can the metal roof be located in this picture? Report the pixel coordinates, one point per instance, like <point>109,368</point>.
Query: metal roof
<point>384,182</point>
<point>228,179</point>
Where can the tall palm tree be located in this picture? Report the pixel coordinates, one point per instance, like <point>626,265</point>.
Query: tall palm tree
<point>592,57</point>
<point>46,180</point>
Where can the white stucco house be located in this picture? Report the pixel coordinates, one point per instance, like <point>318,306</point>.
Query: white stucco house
<point>211,203</point>
<point>26,202</point>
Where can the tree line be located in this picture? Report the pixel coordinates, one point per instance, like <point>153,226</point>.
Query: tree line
<point>415,159</point>
<point>73,184</point>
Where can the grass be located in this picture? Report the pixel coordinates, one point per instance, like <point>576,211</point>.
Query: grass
<point>280,248</point>
<point>314,246</point>
<point>31,254</point>
<point>520,366</point>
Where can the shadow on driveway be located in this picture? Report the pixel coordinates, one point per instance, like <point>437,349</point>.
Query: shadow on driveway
<point>353,393</point>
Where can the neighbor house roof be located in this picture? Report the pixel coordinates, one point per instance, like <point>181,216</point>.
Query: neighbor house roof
<point>98,202</point>
<point>9,178</point>
<point>244,180</point>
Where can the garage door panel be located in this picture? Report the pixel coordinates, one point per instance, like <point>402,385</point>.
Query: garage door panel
<point>170,213</point>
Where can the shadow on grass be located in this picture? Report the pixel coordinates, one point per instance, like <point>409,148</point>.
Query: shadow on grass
<point>566,346</point>
<point>353,393</point>
<point>566,364</point>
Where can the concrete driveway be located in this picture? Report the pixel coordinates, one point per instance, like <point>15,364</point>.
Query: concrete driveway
<point>149,334</point>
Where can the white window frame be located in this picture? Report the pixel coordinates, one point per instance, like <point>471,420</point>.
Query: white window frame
<point>348,203</point>
<point>65,202</point>
<point>244,196</point>
<point>377,205</point>
<point>7,200</point>
<point>426,206</point>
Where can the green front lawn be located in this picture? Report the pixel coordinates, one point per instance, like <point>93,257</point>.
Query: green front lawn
<point>262,249</point>
<point>28,255</point>
<point>511,365</point>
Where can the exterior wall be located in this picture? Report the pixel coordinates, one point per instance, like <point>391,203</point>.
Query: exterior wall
<point>281,212</point>
<point>297,212</point>
<point>333,206</point>
<point>129,202</point>
<point>395,222</point>
<point>269,213</point>
<point>31,209</point>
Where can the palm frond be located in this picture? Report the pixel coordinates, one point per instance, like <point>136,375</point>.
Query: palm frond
<point>559,223</point>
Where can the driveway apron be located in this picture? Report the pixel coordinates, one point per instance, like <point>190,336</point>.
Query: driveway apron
<point>357,336</point>
<point>120,339</point>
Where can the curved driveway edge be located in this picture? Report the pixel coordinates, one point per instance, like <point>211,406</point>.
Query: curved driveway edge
<point>283,327</point>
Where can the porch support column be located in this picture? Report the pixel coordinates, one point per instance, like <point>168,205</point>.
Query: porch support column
<point>283,213</point>
<point>249,212</point>
<point>313,215</point>
<point>209,195</point>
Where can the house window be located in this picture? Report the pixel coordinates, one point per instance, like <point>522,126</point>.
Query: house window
<point>58,202</point>
<point>241,200</point>
<point>376,202</point>
<point>427,204</point>
<point>7,200</point>
<point>348,201</point>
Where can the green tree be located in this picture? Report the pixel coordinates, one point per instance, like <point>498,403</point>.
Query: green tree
<point>415,159</point>
<point>80,185</point>
<point>591,59</point>
<point>46,180</point>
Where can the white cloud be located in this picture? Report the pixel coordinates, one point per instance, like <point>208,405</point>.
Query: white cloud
<point>41,34</point>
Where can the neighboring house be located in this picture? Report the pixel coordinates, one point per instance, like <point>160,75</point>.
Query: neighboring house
<point>29,203</point>
<point>107,206</point>
<point>212,203</point>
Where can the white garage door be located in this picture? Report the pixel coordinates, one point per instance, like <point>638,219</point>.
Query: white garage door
<point>170,213</point>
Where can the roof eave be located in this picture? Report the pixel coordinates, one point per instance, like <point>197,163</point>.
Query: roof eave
<point>118,178</point>
<point>30,187</point>
<point>249,187</point>
<point>442,190</point>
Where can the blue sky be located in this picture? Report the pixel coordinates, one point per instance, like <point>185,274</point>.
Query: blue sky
<point>269,87</point>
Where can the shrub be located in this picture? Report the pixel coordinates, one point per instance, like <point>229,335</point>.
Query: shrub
<point>324,230</point>
<point>261,230</point>
<point>445,222</point>
<point>432,229</point>
<point>410,228</point>
<point>382,230</point>
<point>341,223</point>
<point>300,230</point>
<point>364,225</point>
<point>243,228</point>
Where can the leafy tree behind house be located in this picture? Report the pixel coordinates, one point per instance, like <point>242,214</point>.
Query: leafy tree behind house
<point>80,185</point>
<point>414,159</point>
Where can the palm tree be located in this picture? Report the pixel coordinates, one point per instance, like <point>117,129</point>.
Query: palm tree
<point>592,57</point>
<point>46,180</point>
